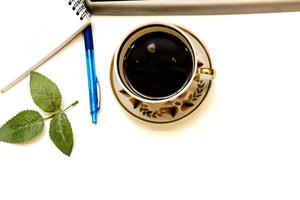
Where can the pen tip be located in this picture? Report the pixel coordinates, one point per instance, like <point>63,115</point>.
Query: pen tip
<point>94,118</point>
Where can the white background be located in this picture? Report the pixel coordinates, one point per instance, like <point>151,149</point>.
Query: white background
<point>243,142</point>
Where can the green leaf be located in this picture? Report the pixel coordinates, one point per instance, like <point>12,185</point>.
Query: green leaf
<point>61,133</point>
<point>44,92</point>
<point>22,128</point>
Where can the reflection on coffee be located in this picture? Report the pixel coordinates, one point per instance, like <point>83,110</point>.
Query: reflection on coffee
<point>158,65</point>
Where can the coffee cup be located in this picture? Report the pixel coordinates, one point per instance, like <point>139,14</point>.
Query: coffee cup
<point>157,63</point>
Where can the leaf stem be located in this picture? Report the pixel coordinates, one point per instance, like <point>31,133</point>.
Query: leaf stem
<point>51,116</point>
<point>60,110</point>
<point>72,105</point>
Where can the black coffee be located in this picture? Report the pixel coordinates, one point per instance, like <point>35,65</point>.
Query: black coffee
<point>158,65</point>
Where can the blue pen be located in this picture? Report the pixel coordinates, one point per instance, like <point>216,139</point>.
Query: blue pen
<point>91,74</point>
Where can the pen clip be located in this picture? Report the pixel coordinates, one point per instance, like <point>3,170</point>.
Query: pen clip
<point>99,93</point>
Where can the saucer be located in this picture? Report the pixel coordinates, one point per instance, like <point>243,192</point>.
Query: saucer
<point>170,111</point>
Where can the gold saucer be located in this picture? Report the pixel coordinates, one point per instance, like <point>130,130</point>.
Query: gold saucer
<point>170,111</point>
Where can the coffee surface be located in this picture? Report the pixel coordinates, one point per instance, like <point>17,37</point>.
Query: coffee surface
<point>158,65</point>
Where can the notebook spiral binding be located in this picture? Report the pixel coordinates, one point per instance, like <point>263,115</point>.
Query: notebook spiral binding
<point>80,8</point>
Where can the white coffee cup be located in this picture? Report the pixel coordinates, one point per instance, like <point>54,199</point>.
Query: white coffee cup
<point>185,36</point>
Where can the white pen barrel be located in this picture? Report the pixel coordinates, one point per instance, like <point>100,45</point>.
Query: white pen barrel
<point>183,7</point>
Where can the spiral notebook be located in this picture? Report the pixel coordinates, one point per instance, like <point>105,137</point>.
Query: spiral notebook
<point>32,31</point>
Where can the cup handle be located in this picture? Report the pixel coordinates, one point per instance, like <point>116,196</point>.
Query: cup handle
<point>207,73</point>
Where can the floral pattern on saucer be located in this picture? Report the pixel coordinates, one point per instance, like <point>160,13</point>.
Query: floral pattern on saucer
<point>164,112</point>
